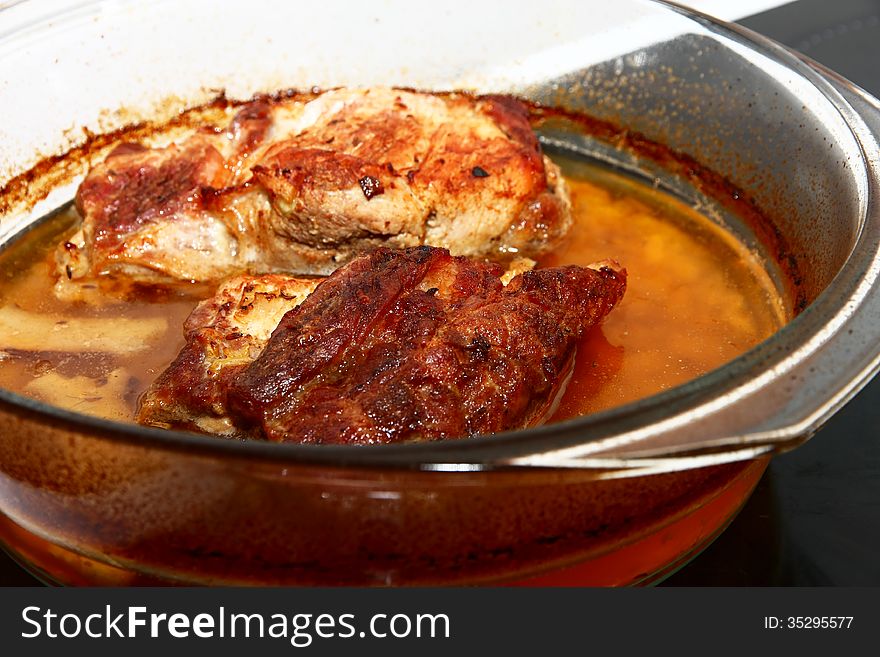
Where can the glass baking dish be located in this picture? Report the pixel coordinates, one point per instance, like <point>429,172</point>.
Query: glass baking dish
<point>618,497</point>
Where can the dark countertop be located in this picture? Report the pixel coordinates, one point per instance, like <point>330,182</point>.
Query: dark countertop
<point>815,516</point>
<point>814,519</point>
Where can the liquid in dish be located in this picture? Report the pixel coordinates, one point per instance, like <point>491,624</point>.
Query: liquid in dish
<point>696,300</point>
<point>700,299</point>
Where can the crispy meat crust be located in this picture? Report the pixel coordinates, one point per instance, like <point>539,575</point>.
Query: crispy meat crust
<point>302,186</point>
<point>223,334</point>
<point>419,345</point>
<point>398,345</point>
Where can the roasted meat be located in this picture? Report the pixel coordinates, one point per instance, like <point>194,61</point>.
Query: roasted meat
<point>399,345</point>
<point>223,335</point>
<point>144,215</point>
<point>301,186</point>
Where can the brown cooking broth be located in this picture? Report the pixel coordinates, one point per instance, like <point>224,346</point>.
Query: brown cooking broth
<point>696,299</point>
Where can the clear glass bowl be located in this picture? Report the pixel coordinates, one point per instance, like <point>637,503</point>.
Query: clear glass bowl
<point>614,498</point>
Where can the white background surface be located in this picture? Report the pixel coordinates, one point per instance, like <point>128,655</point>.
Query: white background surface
<point>726,9</point>
<point>732,10</point>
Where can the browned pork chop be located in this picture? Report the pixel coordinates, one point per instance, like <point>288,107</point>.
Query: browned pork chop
<point>400,345</point>
<point>302,187</point>
<point>223,334</point>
